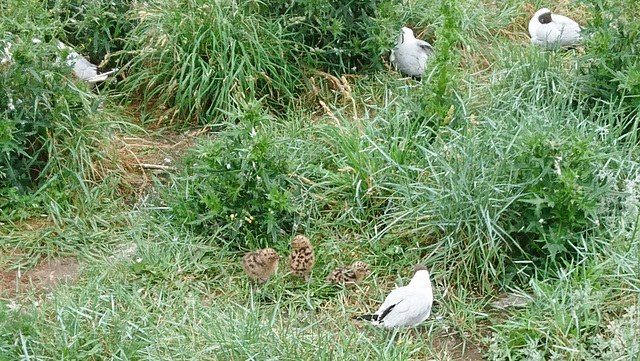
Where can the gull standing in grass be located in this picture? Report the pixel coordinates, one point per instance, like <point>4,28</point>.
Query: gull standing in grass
<point>349,275</point>
<point>83,68</point>
<point>410,54</point>
<point>405,306</point>
<point>302,257</point>
<point>553,31</point>
<point>260,264</point>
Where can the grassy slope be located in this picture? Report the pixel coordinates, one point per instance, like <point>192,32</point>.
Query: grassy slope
<point>188,298</point>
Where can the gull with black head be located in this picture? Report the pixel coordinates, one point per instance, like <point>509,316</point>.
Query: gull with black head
<point>553,31</point>
<point>406,306</point>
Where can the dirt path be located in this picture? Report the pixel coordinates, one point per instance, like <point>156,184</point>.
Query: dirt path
<point>143,157</point>
<point>46,276</point>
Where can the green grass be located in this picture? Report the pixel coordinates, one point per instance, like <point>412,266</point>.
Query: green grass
<point>197,69</point>
<point>506,170</point>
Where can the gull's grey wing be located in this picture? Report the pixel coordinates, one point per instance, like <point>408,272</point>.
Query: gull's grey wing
<point>425,46</point>
<point>82,68</point>
<point>395,297</point>
<point>563,20</point>
<point>411,311</point>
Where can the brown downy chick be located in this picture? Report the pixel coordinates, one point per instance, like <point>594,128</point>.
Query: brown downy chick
<point>302,258</point>
<point>260,264</point>
<point>349,275</point>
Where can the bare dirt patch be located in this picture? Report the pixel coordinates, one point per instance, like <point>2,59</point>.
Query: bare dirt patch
<point>34,223</point>
<point>46,276</point>
<point>147,158</point>
<point>144,155</point>
<point>452,347</point>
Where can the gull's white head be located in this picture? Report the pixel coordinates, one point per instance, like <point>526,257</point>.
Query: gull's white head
<point>407,31</point>
<point>421,276</point>
<point>407,34</point>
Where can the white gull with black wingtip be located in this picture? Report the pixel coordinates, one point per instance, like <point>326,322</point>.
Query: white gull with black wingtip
<point>553,31</point>
<point>83,69</point>
<point>405,306</point>
<point>410,54</point>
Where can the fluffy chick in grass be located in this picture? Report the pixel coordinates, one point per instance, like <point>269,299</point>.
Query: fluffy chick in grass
<point>302,257</point>
<point>349,275</point>
<point>260,264</point>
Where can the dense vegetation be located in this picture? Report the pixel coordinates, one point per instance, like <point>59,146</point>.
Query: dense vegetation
<point>506,170</point>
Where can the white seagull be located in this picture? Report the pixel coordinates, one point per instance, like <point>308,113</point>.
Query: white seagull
<point>406,306</point>
<point>83,68</point>
<point>553,31</point>
<point>410,54</point>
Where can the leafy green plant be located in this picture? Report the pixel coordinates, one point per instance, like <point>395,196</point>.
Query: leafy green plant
<point>441,84</point>
<point>55,131</point>
<point>15,205</point>
<point>41,108</point>
<point>240,181</point>
<point>525,183</point>
<point>610,68</point>
<point>618,341</point>
<point>349,35</point>
<point>561,194</point>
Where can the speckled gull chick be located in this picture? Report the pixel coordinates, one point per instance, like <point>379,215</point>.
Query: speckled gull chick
<point>349,275</point>
<point>260,264</point>
<point>553,31</point>
<point>410,54</point>
<point>302,258</point>
<point>83,69</point>
<point>406,306</point>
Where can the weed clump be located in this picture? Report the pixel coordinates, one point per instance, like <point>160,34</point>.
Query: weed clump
<point>239,182</point>
<point>347,35</point>
<point>610,71</point>
<point>42,111</point>
<point>560,196</point>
